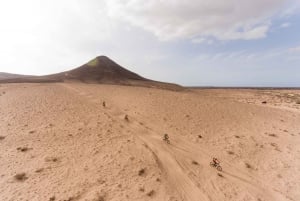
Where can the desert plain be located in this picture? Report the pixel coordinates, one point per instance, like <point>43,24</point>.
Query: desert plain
<point>58,142</point>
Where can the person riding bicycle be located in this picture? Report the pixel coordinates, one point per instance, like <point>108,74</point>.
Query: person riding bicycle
<point>216,164</point>
<point>166,137</point>
<point>216,161</point>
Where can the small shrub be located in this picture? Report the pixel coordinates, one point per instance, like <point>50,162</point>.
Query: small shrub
<point>142,172</point>
<point>52,198</point>
<point>39,170</point>
<point>126,117</point>
<point>2,137</point>
<point>248,166</point>
<point>23,149</point>
<point>195,163</point>
<point>272,135</point>
<point>230,152</point>
<point>51,159</point>
<point>151,193</point>
<point>100,198</point>
<point>20,177</point>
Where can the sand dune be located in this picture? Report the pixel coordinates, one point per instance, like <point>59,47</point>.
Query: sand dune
<point>58,142</point>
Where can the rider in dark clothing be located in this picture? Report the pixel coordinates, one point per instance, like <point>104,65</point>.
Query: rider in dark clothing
<point>166,136</point>
<point>216,161</point>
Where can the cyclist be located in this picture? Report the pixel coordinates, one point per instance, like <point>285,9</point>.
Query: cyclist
<point>216,161</point>
<point>166,137</point>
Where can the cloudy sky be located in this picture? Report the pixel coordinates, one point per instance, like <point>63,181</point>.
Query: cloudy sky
<point>190,42</point>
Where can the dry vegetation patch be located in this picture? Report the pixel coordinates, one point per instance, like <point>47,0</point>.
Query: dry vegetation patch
<point>195,163</point>
<point>151,193</point>
<point>142,172</point>
<point>21,176</point>
<point>23,149</point>
<point>248,166</point>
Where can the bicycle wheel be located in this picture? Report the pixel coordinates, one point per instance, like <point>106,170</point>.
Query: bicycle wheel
<point>212,164</point>
<point>219,168</point>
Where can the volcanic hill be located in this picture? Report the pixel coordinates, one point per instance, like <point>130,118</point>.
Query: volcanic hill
<point>100,70</point>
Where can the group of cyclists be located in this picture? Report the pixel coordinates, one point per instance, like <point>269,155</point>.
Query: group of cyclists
<point>214,163</point>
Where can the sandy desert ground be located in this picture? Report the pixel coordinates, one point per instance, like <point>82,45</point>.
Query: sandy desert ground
<point>58,142</point>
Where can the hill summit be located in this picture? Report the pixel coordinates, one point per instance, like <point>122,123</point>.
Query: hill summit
<point>101,70</point>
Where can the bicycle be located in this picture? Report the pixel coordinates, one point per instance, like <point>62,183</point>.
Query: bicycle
<point>216,164</point>
<point>166,138</point>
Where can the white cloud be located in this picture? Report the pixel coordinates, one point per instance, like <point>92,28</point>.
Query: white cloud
<point>285,25</point>
<point>295,49</point>
<point>198,19</point>
<point>292,9</point>
<point>202,41</point>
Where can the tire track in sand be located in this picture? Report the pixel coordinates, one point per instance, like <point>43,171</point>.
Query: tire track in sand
<point>175,161</point>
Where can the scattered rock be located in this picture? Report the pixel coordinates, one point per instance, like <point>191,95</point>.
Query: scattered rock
<point>248,166</point>
<point>264,102</point>
<point>23,149</point>
<point>51,159</point>
<point>99,198</point>
<point>21,176</point>
<point>195,163</point>
<point>52,198</point>
<point>142,172</point>
<point>141,189</point>
<point>199,136</point>
<point>151,193</point>
<point>126,117</point>
<point>39,170</point>
<point>272,135</point>
<point>230,152</point>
